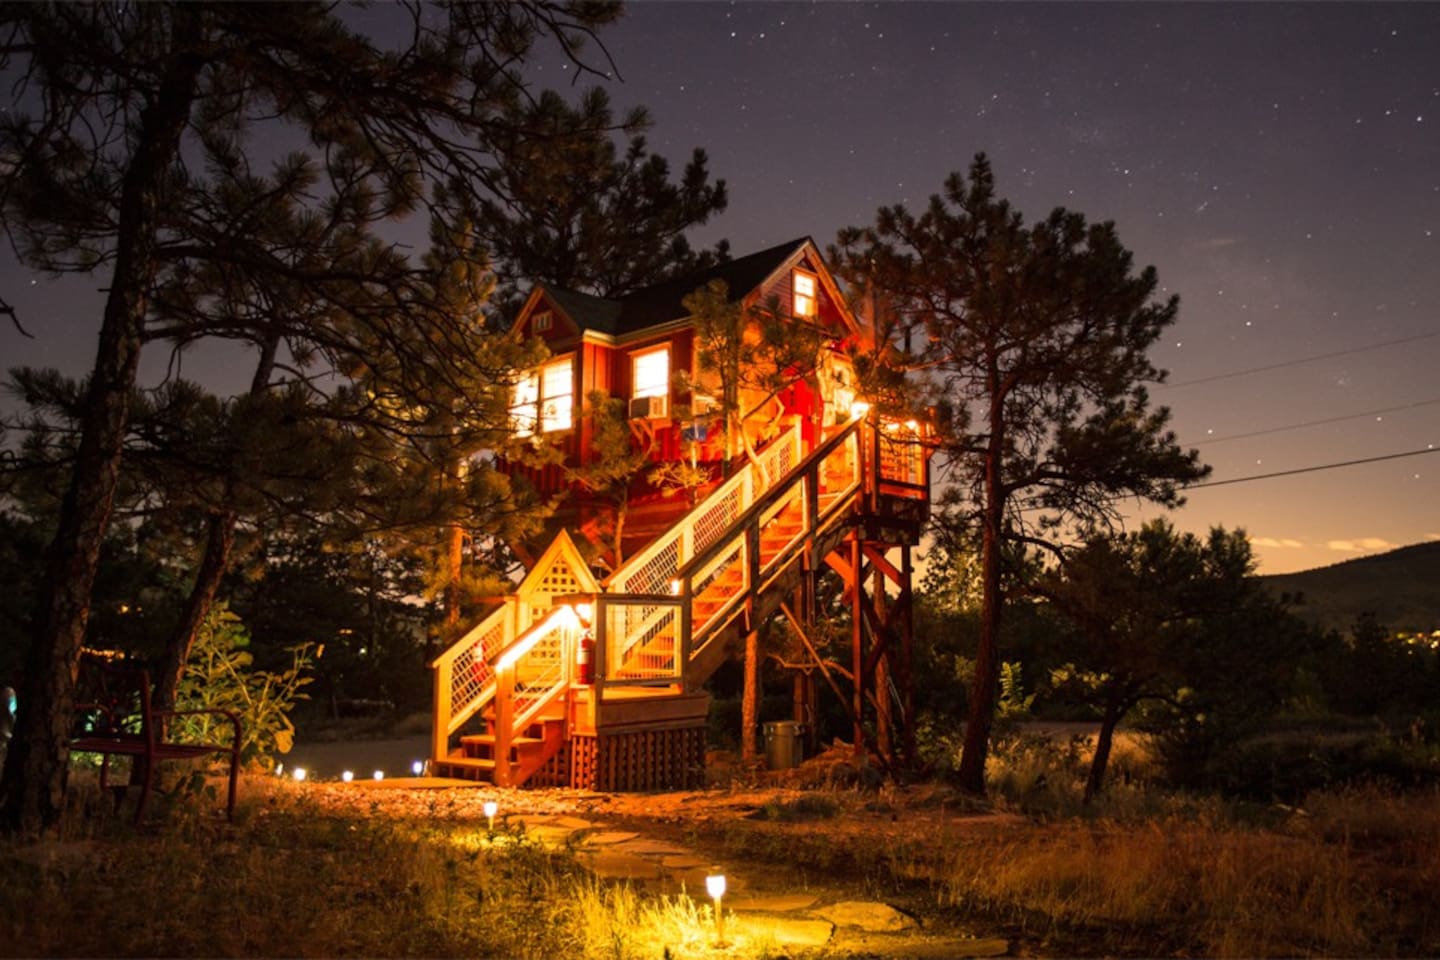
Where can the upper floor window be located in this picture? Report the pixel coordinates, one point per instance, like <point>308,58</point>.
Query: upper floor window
<point>650,383</point>
<point>545,399</point>
<point>804,294</point>
<point>542,321</point>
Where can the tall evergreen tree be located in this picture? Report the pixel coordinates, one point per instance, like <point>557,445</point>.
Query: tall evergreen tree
<point>127,116</point>
<point>568,206</point>
<point>1036,340</point>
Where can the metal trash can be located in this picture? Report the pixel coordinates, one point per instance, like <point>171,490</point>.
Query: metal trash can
<point>784,744</point>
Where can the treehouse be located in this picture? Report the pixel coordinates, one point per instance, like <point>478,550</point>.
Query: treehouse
<point>711,459</point>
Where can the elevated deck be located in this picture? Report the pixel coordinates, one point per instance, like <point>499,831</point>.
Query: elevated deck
<point>602,687</point>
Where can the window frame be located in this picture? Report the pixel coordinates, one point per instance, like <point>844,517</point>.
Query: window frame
<point>528,416</point>
<point>798,300</point>
<point>663,388</point>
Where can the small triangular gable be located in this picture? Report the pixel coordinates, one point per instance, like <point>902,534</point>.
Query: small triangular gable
<point>560,571</point>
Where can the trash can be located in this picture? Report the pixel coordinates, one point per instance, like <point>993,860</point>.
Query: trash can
<point>784,744</point>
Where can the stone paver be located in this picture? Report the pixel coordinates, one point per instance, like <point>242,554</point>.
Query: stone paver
<point>786,931</point>
<point>607,837</point>
<point>867,915</point>
<point>682,862</point>
<point>778,903</point>
<point>613,865</point>
<point>642,847</point>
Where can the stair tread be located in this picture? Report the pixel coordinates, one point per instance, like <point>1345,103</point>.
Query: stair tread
<point>488,739</point>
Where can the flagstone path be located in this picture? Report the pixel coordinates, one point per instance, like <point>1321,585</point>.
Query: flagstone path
<point>797,920</point>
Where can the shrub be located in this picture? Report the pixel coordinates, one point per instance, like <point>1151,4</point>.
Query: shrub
<point>220,676</point>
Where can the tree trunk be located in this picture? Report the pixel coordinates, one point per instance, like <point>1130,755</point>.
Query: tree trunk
<point>219,541</point>
<point>219,544</point>
<point>987,661</point>
<point>750,698</point>
<point>32,790</point>
<point>1114,710</point>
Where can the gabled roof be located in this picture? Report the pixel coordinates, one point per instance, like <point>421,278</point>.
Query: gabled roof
<point>662,302</point>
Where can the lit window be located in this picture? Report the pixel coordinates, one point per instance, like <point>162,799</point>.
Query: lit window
<point>543,321</point>
<point>804,295</point>
<point>545,399</point>
<point>650,383</point>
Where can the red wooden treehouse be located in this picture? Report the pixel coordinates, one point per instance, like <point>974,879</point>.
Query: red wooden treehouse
<point>596,681</point>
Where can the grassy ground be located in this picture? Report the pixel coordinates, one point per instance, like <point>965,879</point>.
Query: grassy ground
<point>300,874</point>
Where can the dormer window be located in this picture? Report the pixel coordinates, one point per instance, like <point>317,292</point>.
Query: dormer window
<point>804,284</point>
<point>650,384</point>
<point>544,400</point>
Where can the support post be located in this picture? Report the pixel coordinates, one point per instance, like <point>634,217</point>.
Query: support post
<point>857,642</point>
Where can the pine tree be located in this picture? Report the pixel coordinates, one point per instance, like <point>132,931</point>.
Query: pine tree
<point>142,114</point>
<point>569,207</point>
<point>1035,339</point>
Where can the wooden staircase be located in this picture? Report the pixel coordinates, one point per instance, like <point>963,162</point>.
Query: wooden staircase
<point>659,627</point>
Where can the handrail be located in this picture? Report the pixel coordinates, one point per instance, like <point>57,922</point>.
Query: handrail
<point>755,474</point>
<point>771,496</point>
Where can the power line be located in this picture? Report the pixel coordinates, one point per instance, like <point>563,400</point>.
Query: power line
<point>1315,423</point>
<point>1294,363</point>
<point>1312,469</point>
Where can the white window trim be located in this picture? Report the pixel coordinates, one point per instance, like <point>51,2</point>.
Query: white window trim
<point>661,390</point>
<point>529,416</point>
<point>805,305</point>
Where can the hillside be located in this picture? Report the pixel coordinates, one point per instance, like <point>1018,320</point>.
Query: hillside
<point>1402,588</point>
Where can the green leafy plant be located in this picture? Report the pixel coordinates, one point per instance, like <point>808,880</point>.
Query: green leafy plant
<point>220,676</point>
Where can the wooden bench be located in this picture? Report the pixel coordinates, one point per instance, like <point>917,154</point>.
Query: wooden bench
<point>118,719</point>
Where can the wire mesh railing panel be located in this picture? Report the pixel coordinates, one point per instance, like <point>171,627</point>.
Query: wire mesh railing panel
<point>718,585</point>
<point>642,639</point>
<point>472,670</point>
<point>540,675</point>
<point>717,516</point>
<point>655,574</point>
<point>901,454</point>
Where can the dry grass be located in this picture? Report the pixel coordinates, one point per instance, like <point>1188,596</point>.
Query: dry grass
<point>293,877</point>
<point>1356,876</point>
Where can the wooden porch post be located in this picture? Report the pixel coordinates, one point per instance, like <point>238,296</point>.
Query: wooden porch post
<point>857,642</point>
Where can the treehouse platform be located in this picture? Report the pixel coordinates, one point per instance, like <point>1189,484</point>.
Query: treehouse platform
<point>597,685</point>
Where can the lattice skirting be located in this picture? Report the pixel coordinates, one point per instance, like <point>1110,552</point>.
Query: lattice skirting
<point>668,759</point>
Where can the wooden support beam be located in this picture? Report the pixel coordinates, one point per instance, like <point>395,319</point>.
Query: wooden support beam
<point>857,642</point>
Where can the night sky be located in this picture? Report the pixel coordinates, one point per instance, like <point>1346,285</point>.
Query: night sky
<point>1279,165</point>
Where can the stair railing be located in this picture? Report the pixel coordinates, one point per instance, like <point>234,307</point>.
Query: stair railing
<point>464,675</point>
<point>735,566</point>
<point>531,673</point>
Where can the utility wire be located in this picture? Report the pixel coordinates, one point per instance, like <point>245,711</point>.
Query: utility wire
<point>1294,363</point>
<point>1313,469</point>
<point>1314,423</point>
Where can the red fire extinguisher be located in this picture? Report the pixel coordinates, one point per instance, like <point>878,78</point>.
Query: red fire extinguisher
<point>585,659</point>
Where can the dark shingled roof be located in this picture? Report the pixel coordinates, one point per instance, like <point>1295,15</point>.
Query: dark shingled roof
<point>661,303</point>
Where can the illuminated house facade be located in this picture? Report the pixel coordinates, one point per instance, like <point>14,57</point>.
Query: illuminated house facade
<point>643,350</point>
<point>591,673</point>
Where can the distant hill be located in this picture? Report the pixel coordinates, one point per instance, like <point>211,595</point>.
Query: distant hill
<point>1402,589</point>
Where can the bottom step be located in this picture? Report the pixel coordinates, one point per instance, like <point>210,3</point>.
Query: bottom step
<point>465,768</point>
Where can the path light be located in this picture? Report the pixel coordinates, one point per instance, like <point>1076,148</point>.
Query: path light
<point>490,808</point>
<point>299,774</point>
<point>379,774</point>
<point>348,775</point>
<point>715,886</point>
<point>418,767</point>
<point>279,769</point>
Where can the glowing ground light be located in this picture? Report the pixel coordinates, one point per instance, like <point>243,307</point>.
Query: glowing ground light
<point>491,808</point>
<point>299,774</point>
<point>348,775</point>
<point>379,774</point>
<point>715,886</point>
<point>418,767</point>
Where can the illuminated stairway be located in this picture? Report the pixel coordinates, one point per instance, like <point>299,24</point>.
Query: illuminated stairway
<point>654,633</point>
